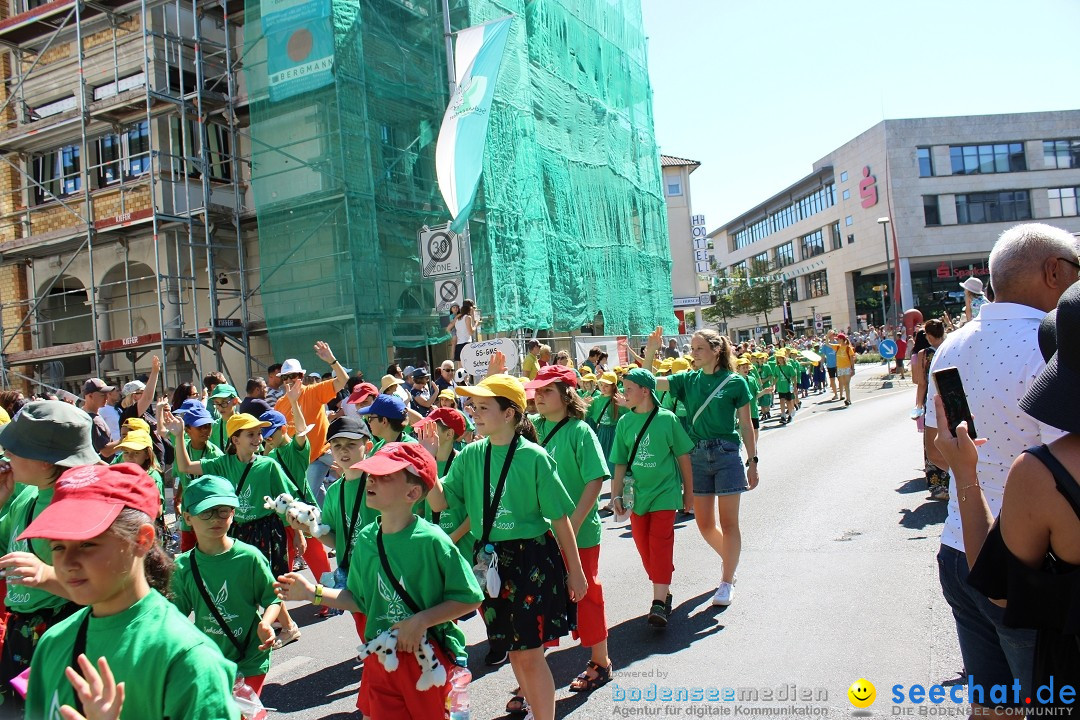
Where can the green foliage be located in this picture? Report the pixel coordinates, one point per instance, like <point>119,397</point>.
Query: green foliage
<point>759,296</point>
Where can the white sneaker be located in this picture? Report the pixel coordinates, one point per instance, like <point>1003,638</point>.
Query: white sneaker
<point>722,596</point>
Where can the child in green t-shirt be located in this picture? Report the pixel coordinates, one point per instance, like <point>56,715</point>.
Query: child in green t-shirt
<point>652,447</point>
<point>413,580</point>
<point>226,583</point>
<point>450,427</point>
<point>138,448</point>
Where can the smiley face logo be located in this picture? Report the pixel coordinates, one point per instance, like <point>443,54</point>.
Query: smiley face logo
<point>862,693</point>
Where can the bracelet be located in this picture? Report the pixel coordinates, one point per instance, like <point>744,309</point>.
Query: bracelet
<point>318,595</point>
<point>963,493</point>
<point>333,362</point>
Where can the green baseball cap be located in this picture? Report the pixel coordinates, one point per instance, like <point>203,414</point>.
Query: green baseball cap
<point>208,491</point>
<point>50,431</point>
<point>224,390</point>
<point>644,378</point>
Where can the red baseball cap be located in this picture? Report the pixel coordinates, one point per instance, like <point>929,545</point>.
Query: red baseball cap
<point>361,392</point>
<point>553,373</point>
<point>89,498</point>
<point>449,417</point>
<point>392,457</point>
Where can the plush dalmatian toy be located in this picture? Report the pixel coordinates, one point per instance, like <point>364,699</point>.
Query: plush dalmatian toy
<point>280,504</point>
<point>384,647</point>
<point>307,516</point>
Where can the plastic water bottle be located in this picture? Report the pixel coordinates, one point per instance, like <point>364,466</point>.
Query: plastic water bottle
<point>460,677</point>
<point>628,493</point>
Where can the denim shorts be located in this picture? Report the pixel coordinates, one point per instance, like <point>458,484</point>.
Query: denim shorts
<point>718,468</point>
<point>993,653</point>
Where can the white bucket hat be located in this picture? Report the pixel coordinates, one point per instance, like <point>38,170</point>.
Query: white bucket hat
<point>290,366</point>
<point>973,285</point>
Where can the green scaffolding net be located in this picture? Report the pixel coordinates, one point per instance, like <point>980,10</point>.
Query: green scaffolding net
<point>346,100</point>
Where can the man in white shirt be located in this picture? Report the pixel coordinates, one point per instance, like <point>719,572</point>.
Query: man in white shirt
<point>998,357</point>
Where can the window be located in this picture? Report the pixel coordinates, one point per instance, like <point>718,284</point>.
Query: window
<point>187,144</point>
<point>931,213</point>
<point>791,289</point>
<point>847,221</point>
<point>761,260</point>
<point>674,188</point>
<point>812,244</point>
<point>58,172</point>
<point>818,284</point>
<point>851,239</point>
<point>737,270</point>
<point>129,150</point>
<point>801,209</point>
<point>785,254</point>
<point>837,238</point>
<point>1061,154</point>
<point>984,159</point>
<point>926,163</point>
<point>1004,206</point>
<point>843,176</point>
<point>847,194</point>
<point>1063,201</point>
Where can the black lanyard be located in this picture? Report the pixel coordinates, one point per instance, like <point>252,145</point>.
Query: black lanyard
<point>243,475</point>
<point>391,577</point>
<point>492,502</point>
<point>558,426</point>
<point>360,485</point>
<point>285,468</point>
<point>80,649</point>
<point>450,461</point>
<point>221,435</point>
<point>240,648</point>
<point>26,524</point>
<point>641,434</point>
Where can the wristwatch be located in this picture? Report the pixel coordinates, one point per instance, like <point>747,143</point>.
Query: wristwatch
<point>751,460</point>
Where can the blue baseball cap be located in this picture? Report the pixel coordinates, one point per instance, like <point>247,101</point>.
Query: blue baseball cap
<point>276,420</point>
<point>194,413</point>
<point>385,406</point>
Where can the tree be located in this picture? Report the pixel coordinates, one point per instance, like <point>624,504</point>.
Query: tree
<point>723,305</point>
<point>760,295</point>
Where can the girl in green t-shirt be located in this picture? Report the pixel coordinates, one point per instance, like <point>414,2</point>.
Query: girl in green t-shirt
<point>138,448</point>
<point>574,447</point>
<point>603,412</point>
<point>714,395</point>
<point>512,494</point>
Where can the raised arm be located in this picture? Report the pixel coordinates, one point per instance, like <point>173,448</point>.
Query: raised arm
<point>183,461</point>
<point>327,355</point>
<point>299,423</point>
<point>151,387</point>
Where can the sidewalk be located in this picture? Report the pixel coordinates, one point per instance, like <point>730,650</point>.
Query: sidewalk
<point>876,376</point>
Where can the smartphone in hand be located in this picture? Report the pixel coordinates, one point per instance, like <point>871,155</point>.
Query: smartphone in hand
<point>951,389</point>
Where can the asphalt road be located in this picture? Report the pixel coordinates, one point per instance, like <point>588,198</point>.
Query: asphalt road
<point>837,582</point>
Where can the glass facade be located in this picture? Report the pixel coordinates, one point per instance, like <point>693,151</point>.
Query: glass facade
<point>818,284</point>
<point>1003,206</point>
<point>812,244</point>
<point>1063,201</point>
<point>931,211</point>
<point>785,254</point>
<point>926,162</point>
<point>786,216</point>
<point>837,238</point>
<point>791,289</point>
<point>1061,154</point>
<point>984,159</point>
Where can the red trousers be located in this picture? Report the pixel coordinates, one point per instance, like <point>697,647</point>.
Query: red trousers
<point>654,535</point>
<point>256,682</point>
<point>315,556</point>
<point>591,618</point>
<point>393,695</point>
<point>360,620</point>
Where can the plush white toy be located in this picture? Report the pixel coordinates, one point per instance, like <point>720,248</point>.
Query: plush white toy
<point>296,512</point>
<point>279,504</point>
<point>384,647</point>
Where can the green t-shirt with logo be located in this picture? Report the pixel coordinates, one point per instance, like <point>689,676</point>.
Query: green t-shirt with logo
<point>20,512</point>
<point>219,434</point>
<point>580,459</point>
<point>755,388</point>
<point>451,519</point>
<point>787,376</point>
<point>209,452</point>
<point>337,514</point>
<point>265,479</point>
<point>602,411</point>
<point>169,668</point>
<point>240,584</point>
<point>717,421</point>
<point>429,569</point>
<point>658,484</point>
<point>533,493</point>
<point>294,460</point>
<point>377,443</point>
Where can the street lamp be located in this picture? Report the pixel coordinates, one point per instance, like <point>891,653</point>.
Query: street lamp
<point>884,222</point>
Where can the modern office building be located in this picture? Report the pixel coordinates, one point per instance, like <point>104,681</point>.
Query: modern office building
<point>947,187</point>
<point>691,249</point>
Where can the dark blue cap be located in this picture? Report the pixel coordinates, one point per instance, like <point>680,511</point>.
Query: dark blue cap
<point>194,413</point>
<point>385,406</point>
<point>276,420</point>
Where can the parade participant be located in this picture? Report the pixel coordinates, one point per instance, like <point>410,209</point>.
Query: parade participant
<point>669,401</point>
<point>530,364</point>
<point>819,372</point>
<point>743,367</point>
<point>138,402</point>
<point>845,365</point>
<point>151,661</point>
<point>449,429</point>
<point>418,585</point>
<point>42,441</point>
<point>198,425</point>
<point>829,355</point>
<point>652,448</point>
<point>224,400</point>
<point>386,419</point>
<point>511,491</point>
<point>714,395</point>
<point>446,399</point>
<point>137,447</point>
<point>226,583</point>
<point>937,479</point>
<point>571,443</point>
<point>787,375</point>
<point>767,379</point>
<point>603,412</point>
<point>253,477</point>
<point>313,399</point>
<point>587,390</point>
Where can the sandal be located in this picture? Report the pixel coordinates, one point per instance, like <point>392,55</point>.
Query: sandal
<point>583,683</point>
<point>517,706</point>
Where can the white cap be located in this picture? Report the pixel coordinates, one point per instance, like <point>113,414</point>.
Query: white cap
<point>133,387</point>
<point>973,285</point>
<point>290,366</point>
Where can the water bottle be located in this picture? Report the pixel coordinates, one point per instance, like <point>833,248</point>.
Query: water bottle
<point>460,677</point>
<point>628,493</point>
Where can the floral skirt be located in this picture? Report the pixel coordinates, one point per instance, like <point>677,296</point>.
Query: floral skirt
<point>268,535</point>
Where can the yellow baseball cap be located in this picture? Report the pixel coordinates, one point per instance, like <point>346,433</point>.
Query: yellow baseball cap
<point>243,421</point>
<point>501,385</point>
<point>135,424</point>
<point>610,378</point>
<point>447,394</point>
<point>742,361</point>
<point>136,440</point>
<point>588,377</point>
<point>679,365</point>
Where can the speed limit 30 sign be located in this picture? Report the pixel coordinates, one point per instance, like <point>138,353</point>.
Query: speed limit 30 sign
<point>439,251</point>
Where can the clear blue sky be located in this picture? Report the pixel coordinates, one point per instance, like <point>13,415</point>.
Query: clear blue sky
<point>757,91</point>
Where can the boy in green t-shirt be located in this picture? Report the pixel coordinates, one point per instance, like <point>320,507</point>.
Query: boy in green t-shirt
<point>651,444</point>
<point>787,378</point>
<point>415,581</point>
<point>197,426</point>
<point>450,427</point>
<point>226,580</point>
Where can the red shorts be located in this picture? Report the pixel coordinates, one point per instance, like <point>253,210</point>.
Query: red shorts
<point>591,617</point>
<point>255,682</point>
<point>393,695</point>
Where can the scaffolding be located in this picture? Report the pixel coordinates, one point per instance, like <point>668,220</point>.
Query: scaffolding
<point>120,145</point>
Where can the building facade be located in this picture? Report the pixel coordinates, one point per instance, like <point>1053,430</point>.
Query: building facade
<point>908,210</point>
<point>691,249</point>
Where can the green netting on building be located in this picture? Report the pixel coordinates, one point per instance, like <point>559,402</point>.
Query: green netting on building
<point>570,220</point>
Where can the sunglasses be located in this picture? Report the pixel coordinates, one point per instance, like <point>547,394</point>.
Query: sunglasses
<point>292,376</point>
<point>223,511</point>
